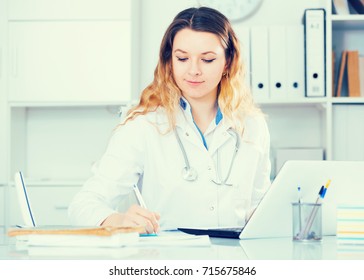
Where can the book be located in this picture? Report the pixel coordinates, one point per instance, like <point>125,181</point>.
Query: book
<point>353,73</point>
<point>84,252</point>
<point>78,237</point>
<point>361,75</point>
<point>358,5</point>
<point>69,230</point>
<point>340,7</point>
<point>333,61</point>
<point>341,73</point>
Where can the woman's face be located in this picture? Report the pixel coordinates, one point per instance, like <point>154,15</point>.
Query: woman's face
<point>198,62</point>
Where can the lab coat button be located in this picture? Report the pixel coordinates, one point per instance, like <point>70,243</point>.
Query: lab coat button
<point>212,208</point>
<point>187,134</point>
<point>209,167</point>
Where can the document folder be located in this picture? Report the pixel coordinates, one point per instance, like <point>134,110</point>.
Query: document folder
<point>295,61</point>
<point>259,62</point>
<point>277,62</point>
<point>315,52</point>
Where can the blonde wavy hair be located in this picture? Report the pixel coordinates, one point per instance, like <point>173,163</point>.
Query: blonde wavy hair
<point>234,97</point>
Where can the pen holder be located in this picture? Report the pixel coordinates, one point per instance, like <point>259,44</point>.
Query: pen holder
<point>307,222</point>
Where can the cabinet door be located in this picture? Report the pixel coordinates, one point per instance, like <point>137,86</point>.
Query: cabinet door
<point>2,206</point>
<point>348,133</point>
<point>3,116</point>
<point>68,9</point>
<point>49,205</point>
<point>70,61</point>
<point>3,135</point>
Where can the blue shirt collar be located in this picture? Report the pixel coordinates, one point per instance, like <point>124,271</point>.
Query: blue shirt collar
<point>184,105</point>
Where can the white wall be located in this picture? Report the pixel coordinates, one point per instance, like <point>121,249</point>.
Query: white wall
<point>156,15</point>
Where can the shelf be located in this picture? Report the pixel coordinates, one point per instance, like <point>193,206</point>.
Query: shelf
<point>51,183</point>
<point>348,100</point>
<point>308,101</point>
<point>65,104</point>
<point>347,21</point>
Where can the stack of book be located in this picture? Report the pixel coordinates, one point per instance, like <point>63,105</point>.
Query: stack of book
<point>350,224</point>
<point>80,237</point>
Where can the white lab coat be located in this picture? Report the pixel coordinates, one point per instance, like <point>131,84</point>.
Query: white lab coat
<point>138,152</point>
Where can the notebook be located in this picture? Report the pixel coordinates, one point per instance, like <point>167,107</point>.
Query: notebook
<point>273,216</point>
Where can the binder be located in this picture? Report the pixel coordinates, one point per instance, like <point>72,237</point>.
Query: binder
<point>315,52</point>
<point>295,61</point>
<point>259,62</point>
<point>353,74</point>
<point>277,62</point>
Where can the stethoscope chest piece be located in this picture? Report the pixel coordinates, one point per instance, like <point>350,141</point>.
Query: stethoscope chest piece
<point>189,174</point>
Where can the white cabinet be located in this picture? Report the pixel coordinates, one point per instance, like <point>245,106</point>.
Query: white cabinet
<point>3,105</point>
<point>70,61</point>
<point>59,143</point>
<point>348,132</point>
<point>49,204</point>
<point>69,9</point>
<point>2,206</point>
<point>66,67</point>
<point>347,33</point>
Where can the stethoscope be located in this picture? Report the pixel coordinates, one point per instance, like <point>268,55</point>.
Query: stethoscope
<point>190,174</point>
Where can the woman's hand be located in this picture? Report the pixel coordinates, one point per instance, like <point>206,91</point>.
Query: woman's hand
<point>135,216</point>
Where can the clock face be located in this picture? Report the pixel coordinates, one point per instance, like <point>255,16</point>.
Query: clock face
<point>234,10</point>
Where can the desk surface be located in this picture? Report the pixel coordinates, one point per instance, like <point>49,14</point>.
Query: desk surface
<point>224,249</point>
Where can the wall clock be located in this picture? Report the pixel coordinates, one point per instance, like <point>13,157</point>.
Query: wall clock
<point>234,10</point>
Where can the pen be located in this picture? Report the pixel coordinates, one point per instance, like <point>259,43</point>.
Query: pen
<point>312,216</point>
<point>142,204</point>
<point>299,194</point>
<point>139,196</point>
<point>299,208</point>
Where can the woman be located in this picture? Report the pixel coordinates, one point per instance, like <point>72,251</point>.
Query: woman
<point>196,144</point>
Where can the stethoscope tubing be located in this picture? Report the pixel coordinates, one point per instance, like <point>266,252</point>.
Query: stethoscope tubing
<point>190,174</point>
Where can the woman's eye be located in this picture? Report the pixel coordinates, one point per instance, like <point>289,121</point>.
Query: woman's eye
<point>182,58</point>
<point>208,60</point>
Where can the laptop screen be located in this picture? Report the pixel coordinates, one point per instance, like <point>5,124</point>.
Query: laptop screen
<point>23,199</point>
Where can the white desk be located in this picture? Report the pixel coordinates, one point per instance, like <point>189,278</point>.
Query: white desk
<point>221,249</point>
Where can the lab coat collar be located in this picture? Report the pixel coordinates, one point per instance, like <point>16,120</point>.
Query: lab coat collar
<point>221,135</point>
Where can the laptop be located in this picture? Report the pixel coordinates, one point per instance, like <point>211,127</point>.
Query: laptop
<point>24,202</point>
<point>27,215</point>
<point>273,216</point>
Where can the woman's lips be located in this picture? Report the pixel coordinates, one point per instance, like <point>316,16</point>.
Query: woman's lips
<point>194,83</point>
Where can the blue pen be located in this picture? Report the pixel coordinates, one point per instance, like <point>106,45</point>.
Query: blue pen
<point>312,216</point>
<point>299,194</point>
